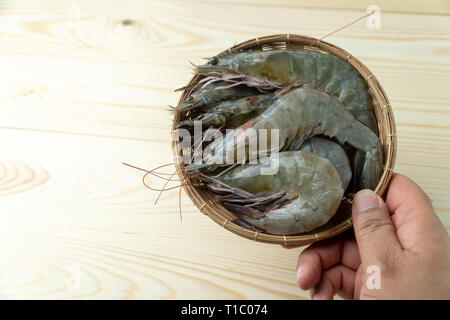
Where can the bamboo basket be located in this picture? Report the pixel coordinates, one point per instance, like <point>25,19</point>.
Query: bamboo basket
<point>342,220</point>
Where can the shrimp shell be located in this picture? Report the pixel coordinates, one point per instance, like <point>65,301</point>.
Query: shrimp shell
<point>333,152</point>
<point>313,180</point>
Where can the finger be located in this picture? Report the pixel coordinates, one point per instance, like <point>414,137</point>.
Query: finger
<point>374,230</point>
<point>350,254</point>
<point>323,255</point>
<point>413,216</point>
<point>314,259</point>
<point>337,280</point>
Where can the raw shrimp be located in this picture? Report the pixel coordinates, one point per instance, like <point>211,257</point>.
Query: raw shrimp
<point>215,92</point>
<point>322,70</point>
<point>232,113</point>
<point>298,115</point>
<point>333,152</point>
<point>311,182</point>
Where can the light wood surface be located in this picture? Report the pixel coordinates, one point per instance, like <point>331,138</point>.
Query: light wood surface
<point>80,94</point>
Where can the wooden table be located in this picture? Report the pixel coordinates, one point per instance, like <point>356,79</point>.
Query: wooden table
<point>85,85</point>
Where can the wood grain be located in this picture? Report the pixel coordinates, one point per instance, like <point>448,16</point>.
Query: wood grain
<point>81,94</point>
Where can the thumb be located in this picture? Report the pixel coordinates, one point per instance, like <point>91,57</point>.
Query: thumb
<point>374,230</point>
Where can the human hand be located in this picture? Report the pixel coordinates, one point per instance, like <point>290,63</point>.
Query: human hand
<point>403,238</point>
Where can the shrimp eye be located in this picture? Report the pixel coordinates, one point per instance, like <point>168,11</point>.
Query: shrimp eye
<point>213,61</point>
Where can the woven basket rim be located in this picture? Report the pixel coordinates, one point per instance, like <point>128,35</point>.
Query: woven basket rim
<point>383,112</point>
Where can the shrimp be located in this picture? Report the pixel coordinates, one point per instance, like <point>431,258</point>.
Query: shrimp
<point>296,116</point>
<point>215,92</point>
<point>309,185</point>
<point>322,70</point>
<point>333,152</point>
<point>232,113</point>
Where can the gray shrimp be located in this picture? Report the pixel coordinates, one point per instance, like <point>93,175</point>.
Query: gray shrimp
<point>308,185</point>
<point>322,70</point>
<point>232,113</point>
<point>298,115</point>
<point>215,92</point>
<point>333,152</point>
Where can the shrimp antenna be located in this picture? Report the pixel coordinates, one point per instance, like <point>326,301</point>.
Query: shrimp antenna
<point>343,27</point>
<point>152,172</point>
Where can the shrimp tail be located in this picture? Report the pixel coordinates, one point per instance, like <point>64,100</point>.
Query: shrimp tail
<point>372,170</point>
<point>358,164</point>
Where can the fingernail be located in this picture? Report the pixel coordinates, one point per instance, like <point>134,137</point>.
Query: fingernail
<point>365,200</point>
